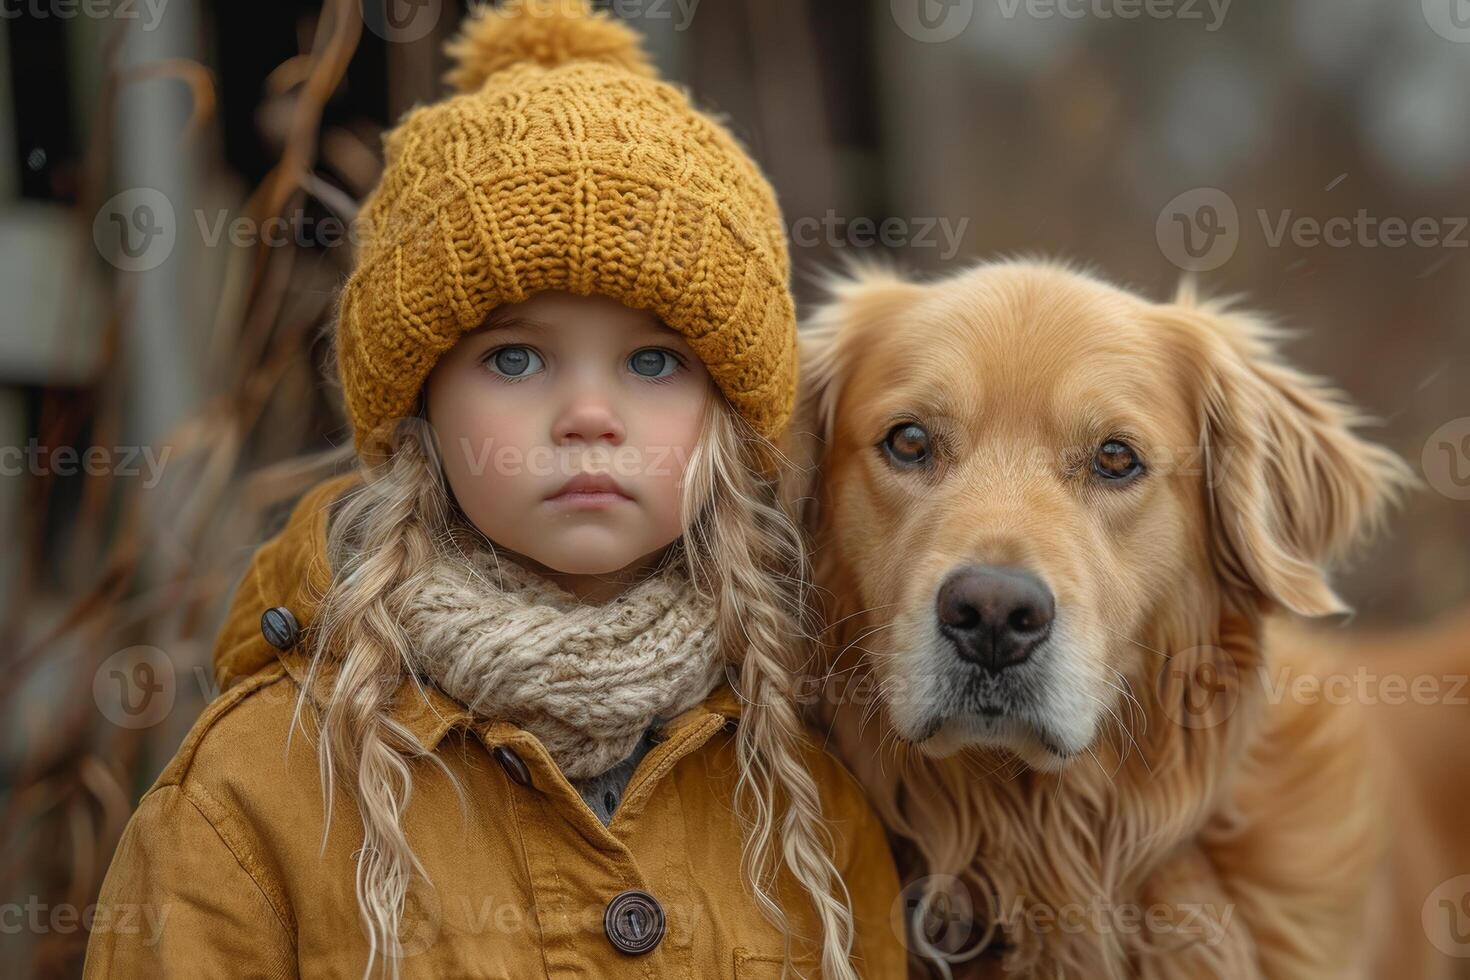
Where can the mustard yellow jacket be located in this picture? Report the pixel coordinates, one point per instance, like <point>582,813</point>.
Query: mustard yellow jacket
<point>224,871</point>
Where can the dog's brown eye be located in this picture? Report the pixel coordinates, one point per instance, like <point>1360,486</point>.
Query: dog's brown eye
<point>907,443</point>
<point>1116,460</point>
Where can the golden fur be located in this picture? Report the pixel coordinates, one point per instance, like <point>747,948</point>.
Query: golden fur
<point>1143,806</point>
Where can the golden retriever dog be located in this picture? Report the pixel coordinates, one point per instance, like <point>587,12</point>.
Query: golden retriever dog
<point>1051,520</point>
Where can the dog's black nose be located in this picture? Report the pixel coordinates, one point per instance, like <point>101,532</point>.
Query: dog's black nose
<point>994,617</point>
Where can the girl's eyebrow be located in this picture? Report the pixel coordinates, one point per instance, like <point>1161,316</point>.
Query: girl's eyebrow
<point>660,338</point>
<point>660,331</point>
<point>648,333</point>
<point>509,322</point>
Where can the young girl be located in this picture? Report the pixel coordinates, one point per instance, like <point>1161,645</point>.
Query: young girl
<point>474,717</point>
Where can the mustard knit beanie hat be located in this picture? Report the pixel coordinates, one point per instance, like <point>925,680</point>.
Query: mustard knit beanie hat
<point>564,163</point>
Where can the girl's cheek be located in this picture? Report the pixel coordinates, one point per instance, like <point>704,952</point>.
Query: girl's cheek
<point>486,442</point>
<point>672,431</point>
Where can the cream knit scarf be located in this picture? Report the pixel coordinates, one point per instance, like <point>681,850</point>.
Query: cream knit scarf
<point>586,679</point>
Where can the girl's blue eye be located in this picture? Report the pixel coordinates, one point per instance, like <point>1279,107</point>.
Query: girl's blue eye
<point>514,362</point>
<point>653,362</point>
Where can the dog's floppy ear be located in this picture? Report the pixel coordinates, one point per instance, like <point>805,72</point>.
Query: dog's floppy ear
<point>1292,487</point>
<point>861,299</point>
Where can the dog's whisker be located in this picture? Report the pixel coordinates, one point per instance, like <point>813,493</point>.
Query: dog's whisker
<point>1056,790</point>
<point>861,612</point>
<point>1134,704</point>
<point>1101,768</point>
<point>888,742</point>
<point>1125,728</point>
<point>870,710</point>
<point>1136,642</point>
<point>870,632</point>
<point>855,643</point>
<point>833,674</point>
<point>864,611</point>
<point>1124,731</point>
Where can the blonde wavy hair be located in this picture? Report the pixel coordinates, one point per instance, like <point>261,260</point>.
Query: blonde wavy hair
<point>739,545</point>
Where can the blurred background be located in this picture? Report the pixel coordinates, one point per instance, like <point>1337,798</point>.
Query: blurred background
<point>178,180</point>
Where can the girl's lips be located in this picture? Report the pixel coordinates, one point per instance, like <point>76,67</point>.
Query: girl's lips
<point>588,499</point>
<point>590,489</point>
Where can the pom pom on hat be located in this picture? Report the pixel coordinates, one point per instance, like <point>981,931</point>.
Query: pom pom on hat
<point>544,32</point>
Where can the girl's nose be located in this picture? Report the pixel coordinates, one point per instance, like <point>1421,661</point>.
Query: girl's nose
<point>591,419</point>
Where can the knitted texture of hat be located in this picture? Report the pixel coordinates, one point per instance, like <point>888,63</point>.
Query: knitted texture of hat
<point>564,164</point>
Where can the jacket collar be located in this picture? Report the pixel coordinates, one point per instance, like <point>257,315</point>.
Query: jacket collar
<point>291,570</point>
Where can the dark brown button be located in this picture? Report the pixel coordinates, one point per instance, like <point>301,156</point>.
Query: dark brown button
<point>634,922</point>
<point>513,766</point>
<point>731,724</point>
<point>279,627</point>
